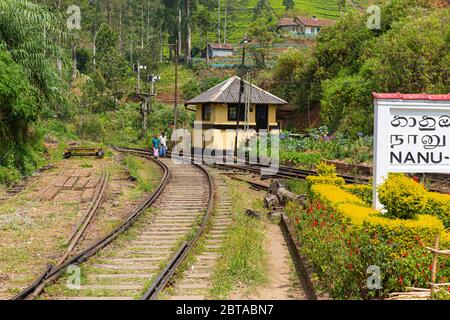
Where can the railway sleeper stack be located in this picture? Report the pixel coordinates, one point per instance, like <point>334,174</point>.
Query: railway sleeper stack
<point>123,270</point>
<point>197,279</point>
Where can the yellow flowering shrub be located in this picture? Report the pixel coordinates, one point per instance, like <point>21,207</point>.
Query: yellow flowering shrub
<point>333,195</point>
<point>343,235</point>
<point>408,233</point>
<point>402,196</point>
<point>355,214</point>
<point>445,240</point>
<point>326,170</point>
<point>439,204</point>
<point>315,180</point>
<point>363,191</point>
<point>403,232</point>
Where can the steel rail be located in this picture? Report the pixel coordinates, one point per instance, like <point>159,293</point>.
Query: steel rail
<point>52,273</point>
<point>86,220</point>
<point>169,270</point>
<point>286,172</point>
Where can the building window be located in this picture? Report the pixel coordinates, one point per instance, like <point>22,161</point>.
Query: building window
<point>206,112</point>
<point>232,112</point>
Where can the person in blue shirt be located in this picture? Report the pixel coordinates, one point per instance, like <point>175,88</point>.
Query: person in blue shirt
<point>163,145</point>
<point>156,144</point>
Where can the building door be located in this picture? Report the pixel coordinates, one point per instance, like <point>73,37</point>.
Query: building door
<point>262,117</point>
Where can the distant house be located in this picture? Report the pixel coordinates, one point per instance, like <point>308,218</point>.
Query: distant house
<point>215,50</point>
<point>304,26</point>
<point>289,25</point>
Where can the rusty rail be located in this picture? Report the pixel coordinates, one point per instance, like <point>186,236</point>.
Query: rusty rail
<point>169,270</point>
<point>52,274</point>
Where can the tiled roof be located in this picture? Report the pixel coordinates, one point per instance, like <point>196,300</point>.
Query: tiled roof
<point>400,96</point>
<point>287,22</point>
<point>228,92</point>
<point>221,46</point>
<point>314,22</point>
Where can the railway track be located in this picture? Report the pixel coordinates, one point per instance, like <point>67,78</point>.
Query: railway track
<point>287,172</point>
<point>196,280</point>
<point>85,221</point>
<point>17,188</point>
<point>182,204</point>
<point>53,273</point>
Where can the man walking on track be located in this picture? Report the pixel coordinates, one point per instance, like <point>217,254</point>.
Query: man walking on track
<point>156,143</point>
<point>163,142</point>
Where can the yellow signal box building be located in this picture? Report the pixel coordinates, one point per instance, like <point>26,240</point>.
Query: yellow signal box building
<point>217,114</point>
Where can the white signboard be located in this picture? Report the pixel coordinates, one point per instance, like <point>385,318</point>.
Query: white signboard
<point>412,135</point>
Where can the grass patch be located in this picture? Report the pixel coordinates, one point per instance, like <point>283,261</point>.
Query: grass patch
<point>86,165</point>
<point>243,258</point>
<point>297,186</point>
<point>140,170</point>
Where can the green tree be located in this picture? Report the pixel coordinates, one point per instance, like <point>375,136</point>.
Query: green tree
<point>289,4</point>
<point>346,105</point>
<point>203,22</point>
<point>418,47</point>
<point>31,34</point>
<point>261,34</point>
<point>111,63</point>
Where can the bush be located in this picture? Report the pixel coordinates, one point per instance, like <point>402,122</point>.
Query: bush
<point>333,195</point>
<point>9,175</point>
<point>402,197</point>
<point>326,170</point>
<point>300,158</point>
<point>316,180</point>
<point>90,128</point>
<point>439,205</point>
<point>342,237</point>
<point>364,192</point>
<point>191,89</point>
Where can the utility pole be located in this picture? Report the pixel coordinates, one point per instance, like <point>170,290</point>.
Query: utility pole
<point>175,116</point>
<point>241,91</point>
<point>218,21</point>
<point>179,42</point>
<point>142,27</point>
<point>225,24</point>
<point>147,100</point>
<point>138,78</point>
<point>188,33</point>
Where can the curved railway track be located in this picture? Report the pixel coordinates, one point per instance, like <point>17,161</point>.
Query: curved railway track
<point>21,186</point>
<point>52,273</point>
<point>81,227</point>
<point>183,202</point>
<point>287,172</point>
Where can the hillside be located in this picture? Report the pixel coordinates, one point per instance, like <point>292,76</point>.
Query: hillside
<point>328,9</point>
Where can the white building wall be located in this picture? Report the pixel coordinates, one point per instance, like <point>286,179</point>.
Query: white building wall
<point>221,53</point>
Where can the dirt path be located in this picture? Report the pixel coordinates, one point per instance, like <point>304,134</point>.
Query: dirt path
<point>283,282</point>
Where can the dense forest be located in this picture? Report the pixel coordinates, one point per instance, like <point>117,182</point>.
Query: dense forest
<point>62,81</point>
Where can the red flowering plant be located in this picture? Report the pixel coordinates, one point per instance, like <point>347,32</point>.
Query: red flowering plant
<point>341,255</point>
<point>327,242</point>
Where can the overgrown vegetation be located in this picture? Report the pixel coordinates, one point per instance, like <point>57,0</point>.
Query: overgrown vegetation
<point>243,257</point>
<point>318,145</point>
<point>30,85</point>
<point>351,61</point>
<point>343,237</point>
